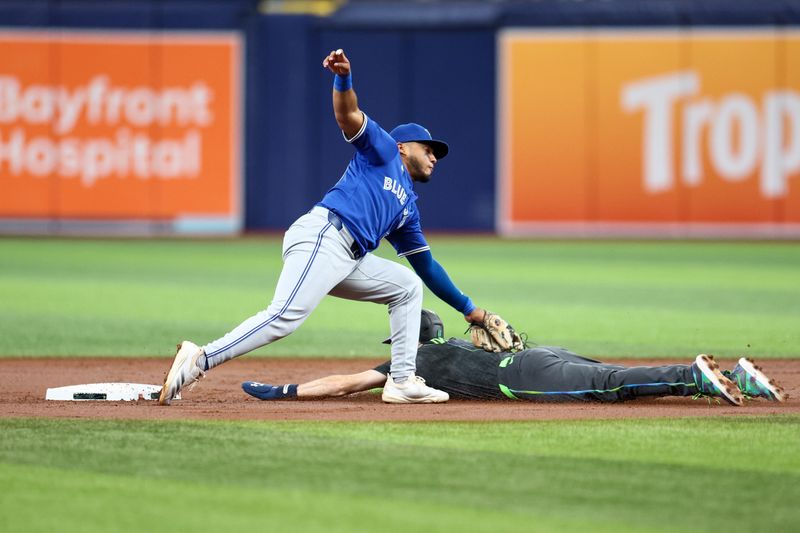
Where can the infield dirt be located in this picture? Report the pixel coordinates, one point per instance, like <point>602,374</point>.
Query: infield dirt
<point>23,383</point>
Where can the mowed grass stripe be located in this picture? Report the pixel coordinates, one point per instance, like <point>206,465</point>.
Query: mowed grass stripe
<point>605,299</point>
<point>48,499</point>
<point>697,474</point>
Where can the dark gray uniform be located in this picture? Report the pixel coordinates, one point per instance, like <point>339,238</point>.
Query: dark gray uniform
<point>544,373</point>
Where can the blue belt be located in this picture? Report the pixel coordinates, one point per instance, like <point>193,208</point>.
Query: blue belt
<point>336,222</point>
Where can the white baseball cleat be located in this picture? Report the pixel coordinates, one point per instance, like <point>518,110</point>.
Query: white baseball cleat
<point>413,390</point>
<point>184,371</point>
<point>754,383</point>
<point>710,381</point>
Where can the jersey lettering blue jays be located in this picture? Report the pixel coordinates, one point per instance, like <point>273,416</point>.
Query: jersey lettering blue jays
<point>375,196</point>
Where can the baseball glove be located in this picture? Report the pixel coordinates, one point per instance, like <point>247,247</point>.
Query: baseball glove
<point>494,334</point>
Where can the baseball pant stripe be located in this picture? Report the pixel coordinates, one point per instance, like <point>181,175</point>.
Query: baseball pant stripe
<point>288,301</point>
<point>511,392</point>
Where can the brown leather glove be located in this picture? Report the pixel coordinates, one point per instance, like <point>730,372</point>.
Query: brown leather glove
<point>494,334</point>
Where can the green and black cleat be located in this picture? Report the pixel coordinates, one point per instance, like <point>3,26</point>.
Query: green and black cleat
<point>711,382</point>
<point>753,383</point>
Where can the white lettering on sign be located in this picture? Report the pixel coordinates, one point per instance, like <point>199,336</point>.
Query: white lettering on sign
<point>91,160</point>
<point>123,152</point>
<point>657,96</point>
<point>100,103</point>
<point>741,136</point>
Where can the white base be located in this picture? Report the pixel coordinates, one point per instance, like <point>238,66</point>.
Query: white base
<point>112,392</point>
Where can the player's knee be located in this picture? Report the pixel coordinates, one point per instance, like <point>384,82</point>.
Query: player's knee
<point>287,321</point>
<point>285,328</point>
<point>409,279</point>
<point>413,287</point>
<point>406,286</point>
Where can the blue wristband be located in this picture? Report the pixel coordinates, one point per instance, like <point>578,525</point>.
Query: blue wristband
<point>343,83</point>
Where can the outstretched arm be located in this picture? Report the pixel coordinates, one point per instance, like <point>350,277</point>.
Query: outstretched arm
<point>340,385</point>
<point>345,104</point>
<point>436,279</point>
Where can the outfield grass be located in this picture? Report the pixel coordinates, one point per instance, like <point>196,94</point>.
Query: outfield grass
<point>609,299</point>
<point>658,475</point>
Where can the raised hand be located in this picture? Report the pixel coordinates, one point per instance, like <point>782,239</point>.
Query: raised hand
<point>337,62</point>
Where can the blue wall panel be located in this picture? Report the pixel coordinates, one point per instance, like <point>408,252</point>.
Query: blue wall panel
<point>453,95</point>
<point>122,14</point>
<point>280,105</point>
<point>36,13</point>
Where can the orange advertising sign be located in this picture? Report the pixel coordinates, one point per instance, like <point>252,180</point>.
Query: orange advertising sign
<point>121,126</point>
<point>655,130</point>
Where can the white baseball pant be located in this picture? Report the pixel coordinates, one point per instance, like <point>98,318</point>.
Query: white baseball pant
<point>317,261</point>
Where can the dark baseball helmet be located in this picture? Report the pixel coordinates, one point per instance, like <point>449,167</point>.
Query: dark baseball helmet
<point>430,327</point>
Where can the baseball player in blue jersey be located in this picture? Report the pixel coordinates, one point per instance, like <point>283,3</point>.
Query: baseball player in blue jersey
<point>327,251</point>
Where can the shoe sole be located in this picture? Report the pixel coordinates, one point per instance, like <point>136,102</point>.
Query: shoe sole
<point>395,395</point>
<point>164,398</point>
<point>749,366</point>
<point>727,388</point>
<point>403,399</point>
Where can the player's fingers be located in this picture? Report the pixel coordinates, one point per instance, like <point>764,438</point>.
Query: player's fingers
<point>340,57</point>
<point>337,62</point>
<point>329,59</point>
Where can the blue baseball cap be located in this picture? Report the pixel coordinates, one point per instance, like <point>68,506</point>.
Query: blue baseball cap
<point>406,133</point>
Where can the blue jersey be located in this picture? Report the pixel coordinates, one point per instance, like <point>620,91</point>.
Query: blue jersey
<point>375,197</point>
